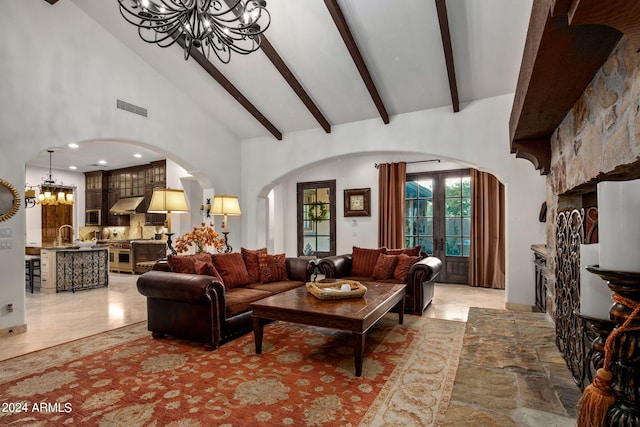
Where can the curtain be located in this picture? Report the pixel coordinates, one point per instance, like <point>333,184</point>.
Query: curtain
<point>487,252</point>
<point>392,179</point>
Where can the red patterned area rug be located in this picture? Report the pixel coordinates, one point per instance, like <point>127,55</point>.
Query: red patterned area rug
<point>304,377</point>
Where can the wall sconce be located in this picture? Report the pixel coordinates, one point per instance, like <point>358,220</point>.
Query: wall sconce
<point>205,210</point>
<point>30,199</point>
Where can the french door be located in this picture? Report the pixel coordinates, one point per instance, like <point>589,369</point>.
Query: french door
<point>438,217</point>
<point>317,218</point>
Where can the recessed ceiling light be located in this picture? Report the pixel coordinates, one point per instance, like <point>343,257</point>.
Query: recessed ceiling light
<point>73,145</point>
<point>73,167</point>
<point>137,155</point>
<point>102,162</point>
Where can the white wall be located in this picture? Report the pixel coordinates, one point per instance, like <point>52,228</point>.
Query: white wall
<point>60,76</point>
<point>476,136</point>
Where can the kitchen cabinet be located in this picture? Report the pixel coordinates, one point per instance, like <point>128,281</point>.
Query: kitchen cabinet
<point>95,194</point>
<point>73,269</point>
<point>155,177</point>
<point>105,188</point>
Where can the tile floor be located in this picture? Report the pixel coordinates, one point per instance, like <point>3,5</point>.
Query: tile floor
<point>57,318</point>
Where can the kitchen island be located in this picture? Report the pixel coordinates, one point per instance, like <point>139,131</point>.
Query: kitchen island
<point>73,269</point>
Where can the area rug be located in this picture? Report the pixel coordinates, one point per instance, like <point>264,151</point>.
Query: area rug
<point>304,377</point>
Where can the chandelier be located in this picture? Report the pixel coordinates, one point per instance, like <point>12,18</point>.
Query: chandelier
<point>220,26</point>
<point>52,193</point>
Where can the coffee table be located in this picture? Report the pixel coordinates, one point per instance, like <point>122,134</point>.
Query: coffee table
<point>356,315</point>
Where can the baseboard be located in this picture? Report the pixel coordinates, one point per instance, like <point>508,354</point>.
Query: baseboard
<point>517,307</point>
<point>13,330</point>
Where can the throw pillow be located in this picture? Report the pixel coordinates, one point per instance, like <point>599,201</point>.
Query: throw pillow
<point>414,251</point>
<point>403,266</point>
<point>250,258</point>
<point>363,261</point>
<point>185,263</point>
<point>207,269</point>
<point>385,267</point>
<point>232,269</point>
<point>273,268</point>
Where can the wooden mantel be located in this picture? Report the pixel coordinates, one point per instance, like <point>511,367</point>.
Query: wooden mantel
<point>567,43</point>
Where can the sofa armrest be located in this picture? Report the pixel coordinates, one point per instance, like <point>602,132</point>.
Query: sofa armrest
<point>299,269</point>
<point>190,288</point>
<point>425,270</point>
<point>335,266</point>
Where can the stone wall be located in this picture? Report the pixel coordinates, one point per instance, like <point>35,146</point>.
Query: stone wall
<point>599,139</point>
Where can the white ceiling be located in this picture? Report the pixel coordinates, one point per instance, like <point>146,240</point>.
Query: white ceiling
<point>399,40</point>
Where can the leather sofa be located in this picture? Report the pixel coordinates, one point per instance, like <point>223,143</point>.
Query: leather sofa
<point>200,308</point>
<point>420,279</point>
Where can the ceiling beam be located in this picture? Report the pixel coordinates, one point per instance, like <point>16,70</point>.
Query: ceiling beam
<point>443,20</point>
<point>347,37</point>
<point>286,73</point>
<point>231,89</point>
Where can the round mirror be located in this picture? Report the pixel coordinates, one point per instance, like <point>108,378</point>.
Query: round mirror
<point>9,200</point>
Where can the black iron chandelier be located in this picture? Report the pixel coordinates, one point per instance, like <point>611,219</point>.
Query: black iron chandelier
<point>221,26</point>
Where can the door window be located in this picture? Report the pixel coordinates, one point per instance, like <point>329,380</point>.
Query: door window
<point>316,218</point>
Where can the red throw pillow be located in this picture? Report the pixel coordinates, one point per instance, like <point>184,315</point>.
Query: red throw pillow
<point>273,268</point>
<point>385,267</point>
<point>414,251</point>
<point>403,266</point>
<point>250,258</point>
<point>207,269</point>
<point>185,263</point>
<point>232,269</point>
<point>363,261</point>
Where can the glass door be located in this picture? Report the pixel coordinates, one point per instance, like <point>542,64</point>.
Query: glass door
<point>438,217</point>
<point>316,218</point>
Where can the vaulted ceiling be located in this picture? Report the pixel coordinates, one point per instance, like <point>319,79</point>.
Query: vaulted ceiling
<point>329,62</point>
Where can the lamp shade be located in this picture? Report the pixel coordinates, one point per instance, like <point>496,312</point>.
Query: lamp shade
<point>166,200</point>
<point>225,205</point>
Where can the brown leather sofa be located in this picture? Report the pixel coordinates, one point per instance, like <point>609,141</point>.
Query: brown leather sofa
<point>420,280</point>
<point>199,307</point>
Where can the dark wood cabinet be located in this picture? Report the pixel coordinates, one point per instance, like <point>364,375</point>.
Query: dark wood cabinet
<point>95,194</point>
<point>105,188</point>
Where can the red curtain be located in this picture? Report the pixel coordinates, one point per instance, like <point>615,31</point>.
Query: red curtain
<point>487,252</point>
<point>392,179</point>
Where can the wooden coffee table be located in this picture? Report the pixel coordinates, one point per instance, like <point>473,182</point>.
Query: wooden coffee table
<point>356,315</point>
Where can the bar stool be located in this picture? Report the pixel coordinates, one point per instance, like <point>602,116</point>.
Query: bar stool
<point>32,269</point>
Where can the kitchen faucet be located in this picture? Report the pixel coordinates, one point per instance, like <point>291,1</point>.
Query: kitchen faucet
<point>60,233</point>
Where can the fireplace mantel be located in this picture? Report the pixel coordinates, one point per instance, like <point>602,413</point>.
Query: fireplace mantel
<point>567,43</point>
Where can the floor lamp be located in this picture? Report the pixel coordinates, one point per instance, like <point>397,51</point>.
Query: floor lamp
<point>225,205</point>
<point>168,201</point>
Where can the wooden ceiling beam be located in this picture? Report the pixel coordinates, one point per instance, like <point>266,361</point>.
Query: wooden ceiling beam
<point>352,47</point>
<point>293,82</point>
<point>231,89</point>
<point>445,34</point>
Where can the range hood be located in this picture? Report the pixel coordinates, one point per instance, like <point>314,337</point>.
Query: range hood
<point>126,205</point>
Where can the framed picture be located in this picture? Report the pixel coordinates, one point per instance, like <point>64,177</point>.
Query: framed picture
<point>357,202</point>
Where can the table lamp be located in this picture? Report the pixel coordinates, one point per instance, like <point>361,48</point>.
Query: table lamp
<point>225,205</point>
<point>168,201</point>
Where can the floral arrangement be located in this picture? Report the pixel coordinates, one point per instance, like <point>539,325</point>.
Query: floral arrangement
<point>202,237</point>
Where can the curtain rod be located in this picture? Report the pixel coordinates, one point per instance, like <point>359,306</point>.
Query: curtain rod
<point>377,165</point>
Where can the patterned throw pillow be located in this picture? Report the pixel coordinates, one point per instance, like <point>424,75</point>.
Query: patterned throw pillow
<point>232,269</point>
<point>250,258</point>
<point>273,268</point>
<point>363,261</point>
<point>385,267</point>
<point>403,266</point>
<point>207,269</point>
<point>186,263</point>
<point>414,251</point>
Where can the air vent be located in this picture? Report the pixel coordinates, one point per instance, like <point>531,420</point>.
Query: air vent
<point>126,106</point>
